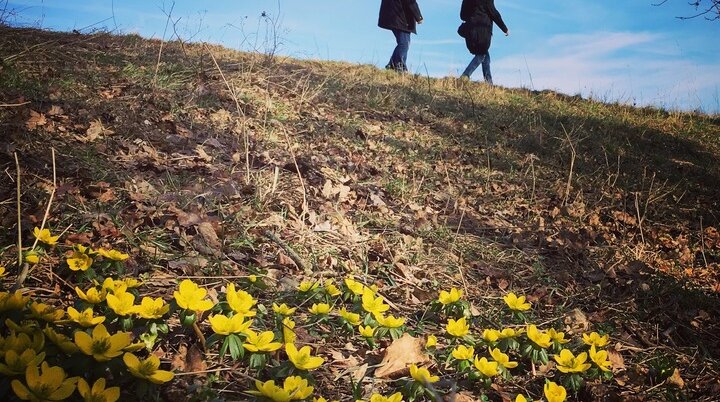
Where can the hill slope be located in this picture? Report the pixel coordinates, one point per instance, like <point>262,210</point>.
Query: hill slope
<point>211,164</point>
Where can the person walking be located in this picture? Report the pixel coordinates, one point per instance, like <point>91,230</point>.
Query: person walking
<point>478,17</point>
<point>401,17</point>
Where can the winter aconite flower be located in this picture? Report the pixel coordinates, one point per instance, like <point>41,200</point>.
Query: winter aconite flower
<point>302,359</point>
<point>569,363</point>
<point>366,331</point>
<point>320,309</point>
<point>354,286</point>
<point>520,398</point>
<point>16,362</point>
<point>262,342</point>
<point>306,286</point>
<point>44,383</point>
<point>92,296</point>
<point>389,321</point>
<point>44,236</point>
<point>485,367</point>
<point>462,352</point>
<point>557,337</point>
<point>294,388</point>
<point>288,334</point>
<point>539,338</point>
<point>516,303</point>
<point>431,342</point>
<point>283,309</point>
<point>491,335</point>
<point>457,328</point>
<point>554,392</point>
<point>350,317</point>
<point>396,397</point>
<point>422,375</point>
<point>45,312</point>
<point>502,358</point>
<point>2,271</point>
<point>13,301</point>
<point>331,289</point>
<point>222,325</point>
<point>600,358</point>
<point>595,339</point>
<point>450,297</point>
<point>191,297</point>
<point>297,387</point>
<point>86,318</point>
<point>372,304</point>
<point>152,309</point>
<point>113,254</point>
<point>101,345</point>
<point>122,303</point>
<point>98,392</point>
<point>240,301</point>
<point>148,369</point>
<point>63,342</point>
<point>79,261</point>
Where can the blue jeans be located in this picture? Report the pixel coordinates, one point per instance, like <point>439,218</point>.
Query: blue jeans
<point>483,59</point>
<point>398,61</point>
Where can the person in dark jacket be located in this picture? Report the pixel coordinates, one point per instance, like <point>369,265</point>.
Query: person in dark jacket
<point>478,17</point>
<point>401,17</point>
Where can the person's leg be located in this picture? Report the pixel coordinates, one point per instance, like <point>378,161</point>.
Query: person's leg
<point>486,69</point>
<point>474,64</point>
<point>399,57</point>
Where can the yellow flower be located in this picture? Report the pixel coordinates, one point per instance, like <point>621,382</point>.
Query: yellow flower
<point>320,309</point>
<point>491,335</point>
<point>396,397</point>
<point>389,321</point>
<point>44,236</point>
<point>86,318</point>
<point>354,286</point>
<point>569,363</point>
<point>331,289</point>
<point>457,328</point>
<point>306,286</point>
<point>540,338</point>
<point>595,339</point>
<point>350,317</point>
<point>13,301</point>
<point>271,391</point>
<point>152,309</point>
<point>79,261</point>
<point>109,285</point>
<point>600,358</point>
<point>93,296</point>
<point>63,342</point>
<point>240,301</point>
<point>422,375</point>
<point>450,297</point>
<point>191,297</point>
<point>485,367</point>
<point>129,282</point>
<point>297,387</point>
<point>223,325</point>
<point>509,333</point>
<point>520,398</point>
<point>502,358</point>
<point>366,332</point>
<point>16,363</point>
<point>516,303</point>
<point>2,272</point>
<point>19,342</point>
<point>44,384</point>
<point>262,342</point>
<point>302,359</point>
<point>32,257</point>
<point>372,304</point>
<point>121,303</point>
<point>283,309</point>
<point>147,369</point>
<point>113,254</point>
<point>462,352</point>
<point>45,312</point>
<point>557,337</point>
<point>287,330</point>
<point>101,345</point>
<point>554,392</point>
<point>98,393</point>
<point>431,342</point>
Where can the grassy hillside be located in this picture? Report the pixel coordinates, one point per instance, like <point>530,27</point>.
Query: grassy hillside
<point>222,167</point>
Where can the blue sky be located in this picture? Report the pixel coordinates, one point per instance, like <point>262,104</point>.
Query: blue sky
<point>624,50</point>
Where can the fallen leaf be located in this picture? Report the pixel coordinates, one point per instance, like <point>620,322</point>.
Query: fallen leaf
<point>577,320</point>
<point>399,355</point>
<point>676,380</point>
<point>616,359</point>
<point>209,238</point>
<point>36,120</point>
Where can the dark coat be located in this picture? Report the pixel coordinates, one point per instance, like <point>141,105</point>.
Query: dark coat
<point>479,16</point>
<point>399,14</point>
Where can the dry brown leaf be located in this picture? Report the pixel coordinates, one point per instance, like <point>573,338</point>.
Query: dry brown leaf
<point>616,359</point>
<point>399,355</point>
<point>577,320</point>
<point>95,131</point>
<point>676,380</point>
<point>210,238</point>
<point>36,120</point>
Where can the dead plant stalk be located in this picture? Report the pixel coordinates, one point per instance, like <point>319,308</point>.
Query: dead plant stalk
<point>573,155</point>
